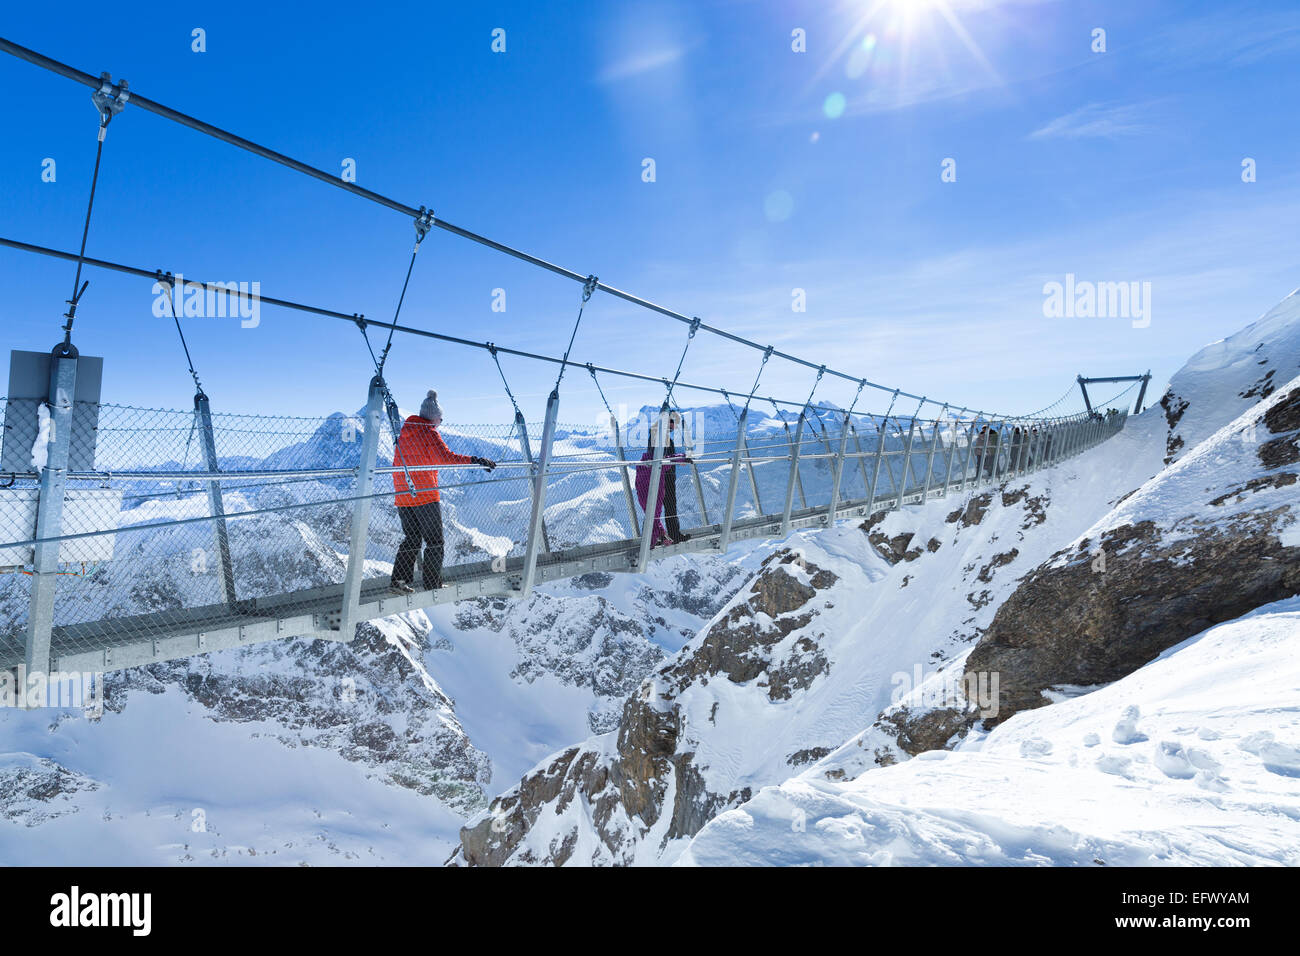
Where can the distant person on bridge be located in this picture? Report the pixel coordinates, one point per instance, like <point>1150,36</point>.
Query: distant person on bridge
<point>418,446</point>
<point>981,447</point>
<point>992,440</point>
<point>666,505</point>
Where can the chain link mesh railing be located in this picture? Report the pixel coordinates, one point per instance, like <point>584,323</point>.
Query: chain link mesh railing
<point>178,527</point>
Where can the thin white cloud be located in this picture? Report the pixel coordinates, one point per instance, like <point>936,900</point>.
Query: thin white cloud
<point>1228,37</point>
<point>1097,121</point>
<point>638,63</point>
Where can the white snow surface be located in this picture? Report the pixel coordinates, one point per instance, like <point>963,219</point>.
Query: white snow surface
<point>1226,378</point>
<point>41,446</point>
<point>1193,759</point>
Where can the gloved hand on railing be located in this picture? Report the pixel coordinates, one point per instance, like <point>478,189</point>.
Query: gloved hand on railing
<point>487,463</point>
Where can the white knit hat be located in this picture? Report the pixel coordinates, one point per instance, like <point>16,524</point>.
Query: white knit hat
<point>430,408</point>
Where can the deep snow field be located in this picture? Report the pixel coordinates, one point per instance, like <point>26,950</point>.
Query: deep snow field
<point>1193,759</point>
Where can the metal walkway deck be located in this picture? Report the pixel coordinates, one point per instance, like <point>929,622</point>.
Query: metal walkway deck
<point>316,613</point>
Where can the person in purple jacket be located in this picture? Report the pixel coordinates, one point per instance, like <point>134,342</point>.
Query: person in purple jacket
<point>667,527</point>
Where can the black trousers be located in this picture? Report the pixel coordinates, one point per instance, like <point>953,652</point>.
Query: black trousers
<point>671,523</point>
<point>422,525</point>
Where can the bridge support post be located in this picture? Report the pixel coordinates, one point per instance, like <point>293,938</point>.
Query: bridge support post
<point>793,478</point>
<point>1142,393</point>
<point>539,494</point>
<point>733,481</point>
<point>216,507</point>
<point>652,492</point>
<point>929,459</point>
<point>1001,454</point>
<point>862,462</point>
<point>970,450</point>
<point>633,523</point>
<point>359,533</point>
<point>875,469</point>
<point>907,462</point>
<point>753,479</point>
<point>688,446</point>
<point>793,444</point>
<point>49,524</point>
<point>837,473</point>
<point>951,454</point>
<point>521,427</point>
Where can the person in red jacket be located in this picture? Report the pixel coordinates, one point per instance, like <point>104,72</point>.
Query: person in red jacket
<point>418,503</point>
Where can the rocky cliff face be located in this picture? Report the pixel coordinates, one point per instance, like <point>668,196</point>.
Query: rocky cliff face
<point>1207,540</point>
<point>372,701</point>
<point>625,796</point>
<point>1226,378</point>
<point>579,635</point>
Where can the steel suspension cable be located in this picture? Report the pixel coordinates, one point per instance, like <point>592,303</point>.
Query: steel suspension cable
<point>690,337</point>
<point>47,63</point>
<point>588,288</point>
<point>423,221</point>
<point>170,281</point>
<point>109,101</point>
<point>592,369</point>
<point>492,350</point>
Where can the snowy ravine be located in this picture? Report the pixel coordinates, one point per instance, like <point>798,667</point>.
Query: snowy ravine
<point>673,715</point>
<point>1194,759</point>
<point>863,635</point>
<point>310,751</point>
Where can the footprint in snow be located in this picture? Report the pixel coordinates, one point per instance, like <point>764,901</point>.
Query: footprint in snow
<point>1282,759</point>
<point>1035,747</point>
<point>1126,731</point>
<point>1172,760</point>
<point>1116,764</point>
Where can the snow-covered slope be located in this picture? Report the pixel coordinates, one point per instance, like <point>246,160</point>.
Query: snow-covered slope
<point>1209,538</point>
<point>800,660</point>
<point>1194,759</point>
<point>824,661</point>
<point>867,641</point>
<point>1227,377</point>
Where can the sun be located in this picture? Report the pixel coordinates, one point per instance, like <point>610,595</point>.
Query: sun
<point>886,34</point>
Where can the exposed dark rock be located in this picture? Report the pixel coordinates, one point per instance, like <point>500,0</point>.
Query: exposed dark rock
<point>898,548</point>
<point>364,699</point>
<point>1284,416</point>
<point>1071,624</point>
<point>999,560</point>
<point>1279,480</point>
<point>1279,451</point>
<point>39,790</point>
<point>1174,408</point>
<point>916,732</point>
<point>1263,388</point>
<point>806,756</point>
<point>976,509</point>
<point>626,791</point>
<point>593,581</point>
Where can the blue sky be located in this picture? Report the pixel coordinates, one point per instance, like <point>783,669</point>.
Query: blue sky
<point>775,170</point>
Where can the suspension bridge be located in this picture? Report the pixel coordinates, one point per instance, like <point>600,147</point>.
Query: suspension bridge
<point>130,536</point>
